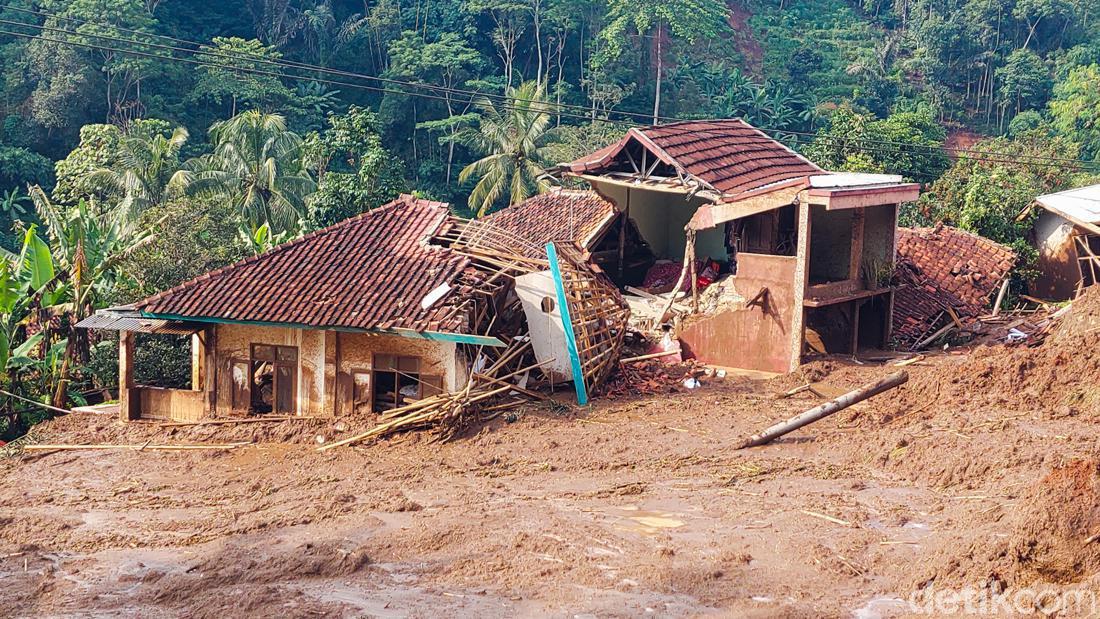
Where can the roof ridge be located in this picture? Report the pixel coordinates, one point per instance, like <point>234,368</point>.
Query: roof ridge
<point>403,199</point>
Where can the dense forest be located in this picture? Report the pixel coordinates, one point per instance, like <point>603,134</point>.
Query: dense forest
<point>144,142</point>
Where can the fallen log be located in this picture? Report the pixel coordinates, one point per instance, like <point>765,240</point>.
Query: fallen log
<point>141,447</point>
<point>820,412</point>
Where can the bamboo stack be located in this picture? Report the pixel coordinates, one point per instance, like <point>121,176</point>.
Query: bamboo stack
<point>449,413</point>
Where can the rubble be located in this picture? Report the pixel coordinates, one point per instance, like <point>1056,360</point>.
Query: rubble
<point>945,278</point>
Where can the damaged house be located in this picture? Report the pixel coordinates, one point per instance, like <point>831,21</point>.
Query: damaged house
<point>378,312</point>
<point>946,278</point>
<point>1066,234</point>
<point>770,250</point>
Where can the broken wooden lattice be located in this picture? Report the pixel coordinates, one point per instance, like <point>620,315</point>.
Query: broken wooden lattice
<point>597,317</point>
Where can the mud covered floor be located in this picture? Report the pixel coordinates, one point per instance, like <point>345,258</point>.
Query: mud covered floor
<point>982,469</point>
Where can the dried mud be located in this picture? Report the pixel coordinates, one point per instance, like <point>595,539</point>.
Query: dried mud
<point>980,471</point>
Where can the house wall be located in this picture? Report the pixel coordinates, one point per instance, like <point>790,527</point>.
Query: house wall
<point>1058,271</point>
<point>830,244</point>
<point>756,337</point>
<point>327,361</point>
<point>661,217</point>
<point>880,225</point>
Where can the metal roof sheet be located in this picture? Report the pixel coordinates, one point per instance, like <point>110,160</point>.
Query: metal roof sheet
<point>1081,204</point>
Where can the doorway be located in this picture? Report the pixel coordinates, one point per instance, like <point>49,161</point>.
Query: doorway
<point>274,374</point>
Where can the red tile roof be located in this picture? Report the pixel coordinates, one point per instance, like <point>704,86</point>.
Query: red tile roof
<point>367,272</point>
<point>557,215</point>
<point>730,155</point>
<point>944,267</point>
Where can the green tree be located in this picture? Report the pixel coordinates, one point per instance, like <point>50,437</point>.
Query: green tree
<point>65,74</point>
<point>686,19</point>
<point>355,172</point>
<point>230,76</point>
<point>447,61</point>
<point>146,150</point>
<point>1025,82</point>
<point>257,164</point>
<point>906,143</point>
<point>511,140</point>
<point>146,173</point>
<point>986,193</point>
<point>1075,108</point>
<point>202,234</point>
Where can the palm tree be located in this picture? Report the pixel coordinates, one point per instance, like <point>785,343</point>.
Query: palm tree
<point>257,164</point>
<point>147,172</point>
<point>511,140</point>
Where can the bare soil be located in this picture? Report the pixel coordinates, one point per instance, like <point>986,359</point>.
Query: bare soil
<point>981,470</point>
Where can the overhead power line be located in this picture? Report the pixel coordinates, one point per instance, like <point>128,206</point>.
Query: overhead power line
<point>579,111</point>
<point>506,102</point>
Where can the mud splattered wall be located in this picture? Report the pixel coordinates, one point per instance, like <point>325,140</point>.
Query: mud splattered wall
<point>879,232</point>
<point>756,337</point>
<point>327,362</point>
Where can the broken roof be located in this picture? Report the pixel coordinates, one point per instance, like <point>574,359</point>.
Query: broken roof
<point>576,216</point>
<point>1081,205</point>
<point>944,267</point>
<point>728,156</point>
<point>370,272</point>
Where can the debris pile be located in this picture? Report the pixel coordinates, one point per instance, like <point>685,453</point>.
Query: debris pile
<point>1056,368</point>
<point>937,291</point>
<point>595,312</point>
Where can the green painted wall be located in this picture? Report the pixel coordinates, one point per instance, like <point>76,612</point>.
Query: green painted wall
<point>661,218</point>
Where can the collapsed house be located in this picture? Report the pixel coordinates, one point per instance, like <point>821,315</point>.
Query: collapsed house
<point>945,278</point>
<point>398,306</point>
<point>1067,236</point>
<point>762,245</point>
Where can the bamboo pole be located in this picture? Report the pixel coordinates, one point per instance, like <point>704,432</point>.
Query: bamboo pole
<point>818,413</point>
<point>142,447</point>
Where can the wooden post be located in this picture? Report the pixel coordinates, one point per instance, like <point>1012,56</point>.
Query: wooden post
<point>820,412</point>
<point>1001,294</point>
<point>690,257</point>
<point>623,217</point>
<point>128,406</point>
<point>198,361</point>
<point>210,371</point>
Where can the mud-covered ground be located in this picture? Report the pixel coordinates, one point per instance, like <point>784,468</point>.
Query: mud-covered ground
<point>980,472</point>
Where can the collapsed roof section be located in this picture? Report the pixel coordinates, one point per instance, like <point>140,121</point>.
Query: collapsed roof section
<point>375,271</point>
<point>559,215</point>
<point>944,271</point>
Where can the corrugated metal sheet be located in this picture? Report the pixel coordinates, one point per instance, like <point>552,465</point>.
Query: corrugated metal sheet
<point>1079,205</point>
<point>123,320</point>
<point>368,272</point>
<point>557,216</point>
<point>731,155</point>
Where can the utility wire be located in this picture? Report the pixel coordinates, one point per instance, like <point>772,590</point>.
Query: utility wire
<point>584,112</point>
<point>508,103</point>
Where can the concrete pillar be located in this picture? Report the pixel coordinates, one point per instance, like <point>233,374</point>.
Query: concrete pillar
<point>801,281</point>
<point>129,402</point>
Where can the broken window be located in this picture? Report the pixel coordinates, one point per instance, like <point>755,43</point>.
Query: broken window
<point>274,379</point>
<point>396,380</point>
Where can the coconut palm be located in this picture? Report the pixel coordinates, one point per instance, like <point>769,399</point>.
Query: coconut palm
<point>147,173</point>
<point>257,164</point>
<point>511,140</point>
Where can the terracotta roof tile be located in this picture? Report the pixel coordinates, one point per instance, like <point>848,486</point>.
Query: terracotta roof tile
<point>367,272</point>
<point>944,267</point>
<point>730,155</point>
<point>558,215</point>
